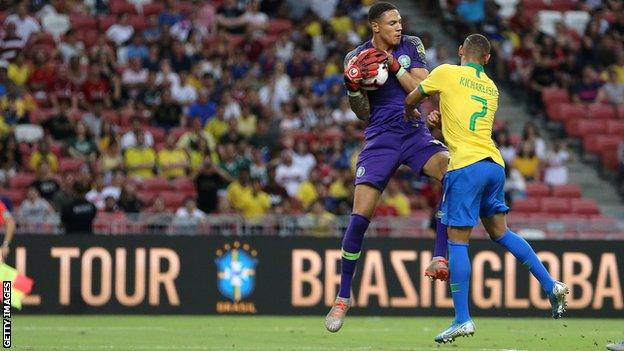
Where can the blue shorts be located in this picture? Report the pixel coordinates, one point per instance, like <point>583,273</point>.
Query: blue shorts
<point>472,192</point>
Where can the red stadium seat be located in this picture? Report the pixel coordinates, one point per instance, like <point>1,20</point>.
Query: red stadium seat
<point>526,205</point>
<point>615,127</point>
<point>620,112</point>
<point>569,111</point>
<point>555,205</point>
<point>184,184</point>
<point>157,183</point>
<point>157,132</point>
<point>584,206</point>
<point>537,190</point>
<point>562,5</point>
<point>582,127</point>
<point>277,26</point>
<point>177,132</point>
<point>81,22</point>
<point>596,143</point>
<point>601,112</point>
<point>184,6</point>
<point>568,190</point>
<point>138,22</point>
<point>106,22</point>
<point>87,36</point>
<point>21,180</point>
<point>110,116</point>
<point>153,9</point>
<point>69,165</point>
<point>147,196</point>
<point>534,4</point>
<point>555,95</point>
<point>120,6</point>
<point>173,200</point>
<point>609,159</point>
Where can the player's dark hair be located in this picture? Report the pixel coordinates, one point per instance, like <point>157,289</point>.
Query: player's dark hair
<point>476,46</point>
<point>378,9</point>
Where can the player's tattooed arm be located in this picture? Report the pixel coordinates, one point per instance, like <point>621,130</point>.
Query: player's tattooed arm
<point>360,105</point>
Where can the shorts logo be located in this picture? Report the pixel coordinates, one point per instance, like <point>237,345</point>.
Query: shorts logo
<point>360,172</point>
<point>404,61</point>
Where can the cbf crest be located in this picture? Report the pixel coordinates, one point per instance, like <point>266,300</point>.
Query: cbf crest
<point>236,277</point>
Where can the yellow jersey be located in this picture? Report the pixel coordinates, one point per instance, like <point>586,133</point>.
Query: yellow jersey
<point>468,102</point>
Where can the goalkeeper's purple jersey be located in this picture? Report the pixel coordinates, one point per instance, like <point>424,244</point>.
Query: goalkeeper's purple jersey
<point>387,102</point>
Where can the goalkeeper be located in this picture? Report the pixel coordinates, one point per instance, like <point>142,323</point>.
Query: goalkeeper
<point>391,140</point>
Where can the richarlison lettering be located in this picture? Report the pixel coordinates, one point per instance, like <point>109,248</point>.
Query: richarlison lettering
<point>316,277</point>
<point>474,85</point>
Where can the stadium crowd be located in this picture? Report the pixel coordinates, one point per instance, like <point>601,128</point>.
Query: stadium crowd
<point>115,108</point>
<point>567,57</point>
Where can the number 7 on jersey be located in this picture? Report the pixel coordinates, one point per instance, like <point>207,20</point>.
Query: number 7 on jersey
<point>480,114</point>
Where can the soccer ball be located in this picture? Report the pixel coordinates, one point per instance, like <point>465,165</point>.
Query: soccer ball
<point>380,79</point>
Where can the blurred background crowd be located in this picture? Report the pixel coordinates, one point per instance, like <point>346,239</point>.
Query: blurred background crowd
<point>111,111</point>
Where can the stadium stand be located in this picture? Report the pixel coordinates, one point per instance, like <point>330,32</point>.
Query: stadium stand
<point>238,85</point>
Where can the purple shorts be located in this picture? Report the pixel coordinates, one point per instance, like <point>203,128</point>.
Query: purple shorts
<point>385,152</point>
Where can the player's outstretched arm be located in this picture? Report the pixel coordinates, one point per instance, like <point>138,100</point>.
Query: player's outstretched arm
<point>411,101</point>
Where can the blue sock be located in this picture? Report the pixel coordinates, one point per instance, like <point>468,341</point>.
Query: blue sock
<point>440,248</point>
<point>524,253</point>
<point>459,268</point>
<point>351,249</point>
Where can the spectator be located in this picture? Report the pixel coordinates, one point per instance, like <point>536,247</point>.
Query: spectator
<point>515,185</point>
<point>43,76</point>
<point>613,91</point>
<point>44,155</point>
<point>307,192</point>
<point>121,31</point>
<point>239,189</point>
<point>471,13</point>
<point>208,182</point>
<point>202,109</point>
<point>344,114</point>
<point>110,160</point>
<point>82,145</point>
<point>130,139</point>
<point>140,160</point>
<point>508,151</point>
<point>12,43</point>
<point>532,135</point>
<point>168,113</point>
<point>77,216</point>
<point>288,175</point>
<point>128,200</point>
<point>137,49</point>
<point>65,195</point>
<point>134,78</point>
<point>95,89</point>
<point>231,18</point>
<point>257,168</point>
<point>277,193</point>
<point>527,163</point>
<point>322,221</point>
<point>113,213</point>
<point>25,25</point>
<point>10,155</point>
<point>556,172</point>
<point>190,211</point>
<point>34,208</point>
<point>77,72</point>
<point>59,125</point>
<point>255,204</point>
<point>302,157</point>
<point>247,123</point>
<point>173,161</point>
<point>63,90</point>
<point>114,188</point>
<point>397,199</point>
<point>96,195</point>
<point>93,120</point>
<point>217,126</point>
<point>586,91</point>
<point>19,70</point>
<point>70,47</point>
<point>184,93</point>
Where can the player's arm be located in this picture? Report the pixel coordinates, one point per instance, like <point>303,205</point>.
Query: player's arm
<point>415,72</point>
<point>430,85</point>
<point>357,67</point>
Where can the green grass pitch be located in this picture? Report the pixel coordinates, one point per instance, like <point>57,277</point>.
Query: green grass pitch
<point>222,333</point>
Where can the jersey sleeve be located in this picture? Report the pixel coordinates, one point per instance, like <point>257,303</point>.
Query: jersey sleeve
<point>418,59</point>
<point>434,83</point>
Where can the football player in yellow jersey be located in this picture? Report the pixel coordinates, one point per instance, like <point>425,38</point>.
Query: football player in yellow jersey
<point>473,184</point>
